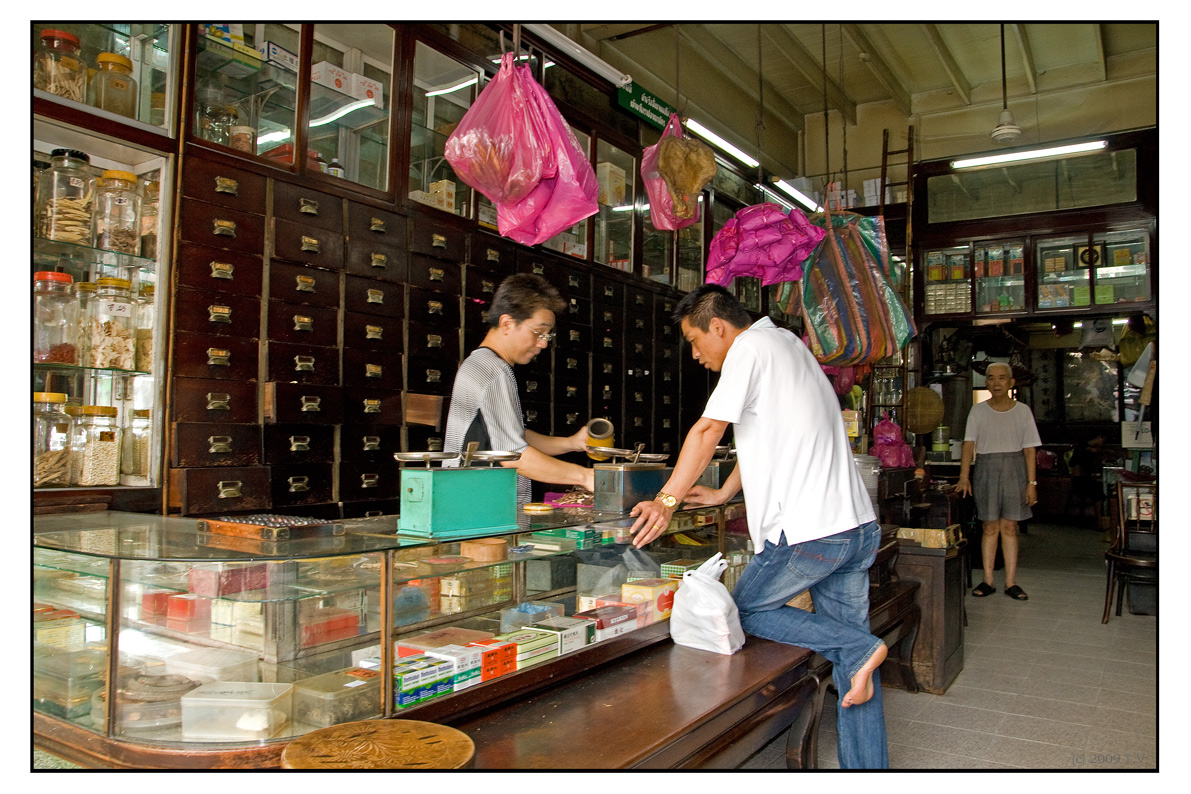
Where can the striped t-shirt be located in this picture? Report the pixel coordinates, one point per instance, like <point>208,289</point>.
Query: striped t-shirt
<point>485,407</point>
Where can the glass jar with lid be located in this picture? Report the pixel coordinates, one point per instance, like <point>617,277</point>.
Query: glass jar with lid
<point>95,447</point>
<point>55,319</point>
<point>134,448</point>
<point>118,213</point>
<point>84,293</point>
<point>215,123</point>
<point>53,429</point>
<point>149,221</point>
<point>66,198</point>
<point>110,326</point>
<point>113,88</point>
<point>145,316</point>
<point>58,68</point>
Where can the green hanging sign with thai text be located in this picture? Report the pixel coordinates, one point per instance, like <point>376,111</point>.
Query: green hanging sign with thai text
<point>644,105</point>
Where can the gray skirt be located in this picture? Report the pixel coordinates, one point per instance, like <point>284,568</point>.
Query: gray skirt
<point>1000,487</point>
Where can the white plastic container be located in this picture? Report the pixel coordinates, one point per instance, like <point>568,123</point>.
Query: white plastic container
<point>341,696</point>
<point>236,711</point>
<point>212,664</point>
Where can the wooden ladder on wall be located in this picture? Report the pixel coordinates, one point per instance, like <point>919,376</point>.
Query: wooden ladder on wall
<point>886,152</point>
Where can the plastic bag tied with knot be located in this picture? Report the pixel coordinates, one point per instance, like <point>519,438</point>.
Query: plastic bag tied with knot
<point>704,616</point>
<point>661,204</point>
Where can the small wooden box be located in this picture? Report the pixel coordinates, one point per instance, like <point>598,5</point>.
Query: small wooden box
<point>931,538</point>
<point>485,549</point>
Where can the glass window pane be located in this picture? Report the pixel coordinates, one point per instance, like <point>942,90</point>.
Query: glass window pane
<point>1063,279</point>
<point>657,251</point>
<point>1090,388</point>
<point>1000,270</point>
<point>616,173</point>
<point>1123,274</point>
<point>690,253</point>
<point>948,283</point>
<point>573,241</point>
<point>443,90</point>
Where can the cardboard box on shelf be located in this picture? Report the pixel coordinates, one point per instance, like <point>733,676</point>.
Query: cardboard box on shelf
<point>328,74</point>
<point>280,56</point>
<point>611,180</point>
<point>366,88</point>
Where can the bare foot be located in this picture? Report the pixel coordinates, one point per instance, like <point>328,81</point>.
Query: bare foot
<point>862,682</point>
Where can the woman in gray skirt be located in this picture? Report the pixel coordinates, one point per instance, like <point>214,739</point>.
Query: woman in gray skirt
<point>1002,432</point>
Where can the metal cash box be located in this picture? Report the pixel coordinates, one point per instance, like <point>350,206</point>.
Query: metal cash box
<point>621,484</point>
<point>461,502</point>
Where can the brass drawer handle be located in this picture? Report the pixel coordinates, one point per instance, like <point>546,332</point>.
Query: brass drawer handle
<point>438,241</point>
<point>378,225</point>
<point>373,513</point>
<point>488,287</point>
<point>309,244</point>
<point>666,376</point>
<point>224,228</point>
<point>572,419</point>
<point>575,336</point>
<point>609,291</point>
<point>369,480</point>
<point>531,416</point>
<point>531,386</point>
<point>303,363</point>
<point>373,332</point>
<point>638,348</point>
<point>434,307</point>
<point>608,367</point>
<point>572,363</point>
<point>219,314</point>
<point>638,397</point>
<point>640,300</point>
<point>493,255</point>
<point>298,484</point>
<point>229,489</point>
<point>667,353</point>
<point>217,357</point>
<point>307,206</point>
<point>225,184</point>
<point>299,443</point>
<point>573,281</point>
<point>433,340</point>
<point>371,443</point>
<point>607,392</point>
<point>373,371</point>
<point>219,444</point>
<point>218,401</point>
<point>538,269</point>
<point>437,274</point>
<point>608,341</point>
<point>375,296</point>
<point>607,316</point>
<point>434,445</point>
<point>572,391</point>
<point>638,422</point>
<point>303,323</point>
<point>433,376</point>
<point>484,315</point>
<point>640,323</point>
<point>372,407</point>
<point>304,284</point>
<point>311,404</point>
<point>573,308</point>
<point>379,260</point>
<point>223,270</point>
<point>666,423</point>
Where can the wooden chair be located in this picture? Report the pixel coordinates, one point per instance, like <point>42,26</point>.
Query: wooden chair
<point>1133,556</point>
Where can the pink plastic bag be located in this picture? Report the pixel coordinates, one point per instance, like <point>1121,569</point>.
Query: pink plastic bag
<point>500,146</point>
<point>762,241</point>
<point>888,445</point>
<point>561,200</point>
<point>661,203</point>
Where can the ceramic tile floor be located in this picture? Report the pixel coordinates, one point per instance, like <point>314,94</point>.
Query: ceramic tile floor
<point>1045,685</point>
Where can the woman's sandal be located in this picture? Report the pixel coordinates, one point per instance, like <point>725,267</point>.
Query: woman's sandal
<point>983,589</point>
<point>1017,593</point>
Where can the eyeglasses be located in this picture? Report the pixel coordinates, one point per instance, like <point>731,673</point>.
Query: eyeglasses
<point>547,338</point>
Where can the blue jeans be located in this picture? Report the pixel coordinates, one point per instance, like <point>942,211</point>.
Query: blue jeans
<point>835,570</point>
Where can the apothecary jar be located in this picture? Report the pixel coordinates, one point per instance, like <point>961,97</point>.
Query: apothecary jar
<point>118,213</point>
<point>55,319</point>
<point>58,68</point>
<point>52,431</point>
<point>95,448</point>
<point>110,326</point>
<point>66,198</point>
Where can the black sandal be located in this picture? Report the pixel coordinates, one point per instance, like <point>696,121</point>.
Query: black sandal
<point>983,589</point>
<point>1017,593</point>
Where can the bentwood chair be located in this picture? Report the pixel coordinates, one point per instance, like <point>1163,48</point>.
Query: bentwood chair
<point>1133,557</point>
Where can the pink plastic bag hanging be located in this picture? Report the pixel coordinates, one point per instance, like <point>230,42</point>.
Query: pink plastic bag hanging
<point>559,201</point>
<point>762,241</point>
<point>661,203</point>
<point>500,147</point>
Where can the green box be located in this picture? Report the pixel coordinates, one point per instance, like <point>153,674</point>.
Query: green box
<point>457,503</point>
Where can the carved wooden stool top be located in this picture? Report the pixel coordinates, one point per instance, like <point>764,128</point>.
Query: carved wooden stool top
<point>380,744</point>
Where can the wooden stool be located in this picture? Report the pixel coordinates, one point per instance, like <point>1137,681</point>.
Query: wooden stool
<point>381,744</point>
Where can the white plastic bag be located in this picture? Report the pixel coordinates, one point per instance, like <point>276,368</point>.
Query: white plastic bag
<point>704,615</point>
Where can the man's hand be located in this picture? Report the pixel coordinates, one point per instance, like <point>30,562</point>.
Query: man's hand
<point>702,496</point>
<point>963,487</point>
<point>653,518</point>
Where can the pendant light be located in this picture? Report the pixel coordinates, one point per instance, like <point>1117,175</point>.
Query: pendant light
<point>1006,130</point>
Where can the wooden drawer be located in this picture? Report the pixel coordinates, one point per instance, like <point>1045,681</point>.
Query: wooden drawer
<point>302,404</point>
<point>372,406</point>
<point>605,290</point>
<point>219,490</point>
<point>572,365</point>
<point>214,444</point>
<point>309,325</point>
<point>639,303</point>
<point>300,284</point>
<point>568,419</point>
<point>223,401</point>
<point>666,355</point>
<point>299,242</point>
<point>433,274</point>
<point>299,444</point>
<point>295,484</point>
<point>607,342</point>
<point>211,356</point>
<point>538,416</point>
<point>216,269</point>
<point>372,369</point>
<point>220,227</point>
<point>365,223</point>
<point>493,253</point>
<point>570,391</point>
<point>369,442</point>
<point>569,281</point>
<point>368,480</point>
<point>221,184</point>
<point>578,311</point>
<point>371,332</point>
<point>435,309</point>
<point>639,322</point>
<point>534,386</point>
<point>307,207</point>
<point>573,339</point>
<point>480,285</point>
<point>438,240</point>
<point>372,509</point>
<point>423,438</point>
<point>220,313</point>
<point>431,375</point>
<point>368,296</point>
<point>376,260</point>
<point>475,324</point>
<point>433,340</point>
<point>296,363</point>
<point>638,352</point>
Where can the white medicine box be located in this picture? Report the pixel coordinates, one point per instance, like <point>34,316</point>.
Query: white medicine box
<point>366,88</point>
<point>328,74</point>
<point>236,711</point>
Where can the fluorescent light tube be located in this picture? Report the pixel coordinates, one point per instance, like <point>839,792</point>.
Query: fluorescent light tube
<point>769,194</point>
<point>338,114</point>
<point>583,56</point>
<point>716,140</point>
<point>1035,154</point>
<point>797,195</point>
<point>456,87</point>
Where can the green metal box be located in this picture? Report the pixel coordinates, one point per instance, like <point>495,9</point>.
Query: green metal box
<point>457,502</point>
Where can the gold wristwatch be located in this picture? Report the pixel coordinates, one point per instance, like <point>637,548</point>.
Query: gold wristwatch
<point>667,500</point>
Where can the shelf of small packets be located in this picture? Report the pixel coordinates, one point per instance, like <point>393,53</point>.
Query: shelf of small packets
<point>1113,269</point>
<point>948,287</point>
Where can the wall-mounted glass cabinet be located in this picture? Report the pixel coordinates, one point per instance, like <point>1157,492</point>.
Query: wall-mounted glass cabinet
<point>616,173</point>
<point>443,90</point>
<point>948,282</point>
<point>999,271</point>
<point>1093,270</point>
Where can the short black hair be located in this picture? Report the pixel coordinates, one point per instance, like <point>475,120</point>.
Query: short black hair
<point>522,294</point>
<point>703,303</point>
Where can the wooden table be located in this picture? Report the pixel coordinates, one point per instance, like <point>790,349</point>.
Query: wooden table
<point>380,744</point>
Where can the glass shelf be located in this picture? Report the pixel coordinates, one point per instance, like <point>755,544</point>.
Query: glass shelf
<point>77,369</point>
<point>48,254</point>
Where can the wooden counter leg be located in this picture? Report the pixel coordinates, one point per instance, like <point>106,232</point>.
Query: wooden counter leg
<point>802,742</point>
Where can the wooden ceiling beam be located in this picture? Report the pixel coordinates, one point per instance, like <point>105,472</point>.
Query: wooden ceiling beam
<point>880,69</point>
<point>1101,60</point>
<point>811,69</point>
<point>962,87</point>
<point>1027,55</point>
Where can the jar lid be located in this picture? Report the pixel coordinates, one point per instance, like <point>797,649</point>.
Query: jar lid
<point>73,154</point>
<point>241,129</point>
<point>72,409</point>
<point>99,410</point>
<point>122,283</point>
<point>113,57</point>
<point>59,34</point>
<point>86,286</point>
<point>48,397</point>
<point>147,290</point>
<point>51,275</point>
<point>141,413</point>
<point>125,175</point>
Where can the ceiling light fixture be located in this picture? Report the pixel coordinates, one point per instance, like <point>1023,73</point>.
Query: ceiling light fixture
<point>583,56</point>
<point>715,140</point>
<point>1054,152</point>
<point>1006,130</point>
<point>797,195</point>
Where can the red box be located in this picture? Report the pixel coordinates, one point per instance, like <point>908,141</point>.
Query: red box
<point>497,658</point>
<point>608,616</point>
<point>188,607</point>
<point>329,624</point>
<point>218,579</point>
<point>643,610</point>
<point>155,605</point>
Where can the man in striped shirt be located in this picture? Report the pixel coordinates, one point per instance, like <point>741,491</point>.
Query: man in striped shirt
<point>485,406</point>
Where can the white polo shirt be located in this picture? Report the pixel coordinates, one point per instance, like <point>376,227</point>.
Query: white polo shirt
<point>796,466</point>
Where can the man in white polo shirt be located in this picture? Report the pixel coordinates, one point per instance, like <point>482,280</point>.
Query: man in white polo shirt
<point>811,521</point>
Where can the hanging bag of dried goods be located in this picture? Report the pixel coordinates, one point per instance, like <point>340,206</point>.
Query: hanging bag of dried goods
<point>851,313</point>
<point>558,201</point>
<point>661,204</point>
<point>500,147</point>
<point>762,241</point>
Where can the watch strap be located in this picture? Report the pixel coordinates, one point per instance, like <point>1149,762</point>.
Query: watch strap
<point>666,499</point>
